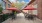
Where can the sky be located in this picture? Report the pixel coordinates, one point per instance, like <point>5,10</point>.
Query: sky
<point>12,1</point>
<point>20,0</point>
<point>0,1</point>
<point>24,0</point>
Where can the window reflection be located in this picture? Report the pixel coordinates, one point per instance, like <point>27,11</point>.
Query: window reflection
<point>9,5</point>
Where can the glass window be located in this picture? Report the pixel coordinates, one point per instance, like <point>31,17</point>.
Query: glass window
<point>9,5</point>
<point>4,5</point>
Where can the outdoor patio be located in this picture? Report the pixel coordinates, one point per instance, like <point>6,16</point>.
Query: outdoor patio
<point>22,19</point>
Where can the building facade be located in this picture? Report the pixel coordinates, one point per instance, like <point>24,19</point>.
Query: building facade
<point>34,5</point>
<point>6,4</point>
<point>39,8</point>
<point>39,2</point>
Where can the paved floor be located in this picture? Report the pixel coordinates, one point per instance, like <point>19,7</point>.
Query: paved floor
<point>21,19</point>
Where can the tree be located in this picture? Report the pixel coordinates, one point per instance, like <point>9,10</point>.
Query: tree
<point>19,5</point>
<point>12,5</point>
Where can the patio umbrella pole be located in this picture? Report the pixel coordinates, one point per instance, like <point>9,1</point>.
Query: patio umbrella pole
<point>31,12</point>
<point>28,11</point>
<point>13,15</point>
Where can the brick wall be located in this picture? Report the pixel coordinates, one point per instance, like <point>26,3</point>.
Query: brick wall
<point>39,2</point>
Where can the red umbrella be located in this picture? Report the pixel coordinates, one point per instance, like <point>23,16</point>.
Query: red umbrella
<point>13,9</point>
<point>29,8</point>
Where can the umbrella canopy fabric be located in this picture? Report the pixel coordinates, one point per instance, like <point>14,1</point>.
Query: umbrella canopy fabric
<point>11,8</point>
<point>14,9</point>
<point>29,8</point>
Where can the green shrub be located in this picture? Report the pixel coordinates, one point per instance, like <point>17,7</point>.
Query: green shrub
<point>1,8</point>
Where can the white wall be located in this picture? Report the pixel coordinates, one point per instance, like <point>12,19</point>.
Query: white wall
<point>35,11</point>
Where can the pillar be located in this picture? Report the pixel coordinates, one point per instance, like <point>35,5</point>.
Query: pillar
<point>6,4</point>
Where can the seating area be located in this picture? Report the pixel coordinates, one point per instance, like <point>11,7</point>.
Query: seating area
<point>4,16</point>
<point>30,16</point>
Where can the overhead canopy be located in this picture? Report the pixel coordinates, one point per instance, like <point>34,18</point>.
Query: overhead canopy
<point>14,9</point>
<point>29,8</point>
